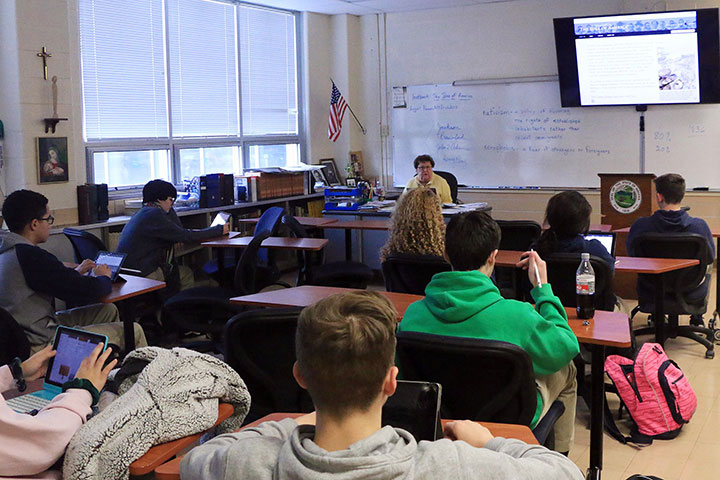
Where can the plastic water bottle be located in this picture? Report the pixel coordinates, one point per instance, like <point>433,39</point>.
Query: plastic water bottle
<point>585,288</point>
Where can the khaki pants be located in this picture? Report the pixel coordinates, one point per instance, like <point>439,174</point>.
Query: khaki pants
<point>562,386</point>
<point>187,278</point>
<point>102,318</point>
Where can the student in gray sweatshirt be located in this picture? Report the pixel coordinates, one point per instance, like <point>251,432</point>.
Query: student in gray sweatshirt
<point>345,358</point>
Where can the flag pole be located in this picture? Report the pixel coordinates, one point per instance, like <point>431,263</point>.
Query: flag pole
<point>364,132</point>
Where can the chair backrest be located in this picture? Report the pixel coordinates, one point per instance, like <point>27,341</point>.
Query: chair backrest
<point>518,234</point>
<point>409,273</point>
<point>85,244</point>
<point>680,283</point>
<point>260,346</point>
<point>484,380</point>
<point>13,341</point>
<point>452,183</point>
<point>246,270</point>
<point>304,257</point>
<point>269,221</point>
<point>561,270</point>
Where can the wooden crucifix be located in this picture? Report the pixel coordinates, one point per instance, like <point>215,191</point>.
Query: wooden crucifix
<point>45,55</point>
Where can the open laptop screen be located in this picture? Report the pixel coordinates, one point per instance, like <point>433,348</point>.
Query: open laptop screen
<point>72,346</point>
<point>607,239</point>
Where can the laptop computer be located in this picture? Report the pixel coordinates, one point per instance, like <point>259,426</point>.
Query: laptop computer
<point>114,261</point>
<point>72,347</point>
<point>415,407</point>
<point>606,238</point>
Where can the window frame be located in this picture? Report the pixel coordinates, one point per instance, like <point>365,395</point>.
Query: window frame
<point>174,144</point>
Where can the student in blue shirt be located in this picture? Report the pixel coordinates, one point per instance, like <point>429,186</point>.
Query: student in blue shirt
<point>568,218</point>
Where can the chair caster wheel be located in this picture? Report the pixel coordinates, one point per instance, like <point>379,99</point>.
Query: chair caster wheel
<point>716,335</point>
<point>710,354</point>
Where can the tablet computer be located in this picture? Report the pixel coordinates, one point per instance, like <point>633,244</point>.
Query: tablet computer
<point>220,219</point>
<point>112,260</point>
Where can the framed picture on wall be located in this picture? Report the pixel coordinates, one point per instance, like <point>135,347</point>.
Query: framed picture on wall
<point>331,172</point>
<point>52,160</point>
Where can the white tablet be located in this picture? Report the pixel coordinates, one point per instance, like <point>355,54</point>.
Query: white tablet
<point>220,219</point>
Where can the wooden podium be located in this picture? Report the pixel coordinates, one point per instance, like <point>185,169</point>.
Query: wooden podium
<point>625,197</point>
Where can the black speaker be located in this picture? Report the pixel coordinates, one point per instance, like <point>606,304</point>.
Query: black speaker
<point>92,203</point>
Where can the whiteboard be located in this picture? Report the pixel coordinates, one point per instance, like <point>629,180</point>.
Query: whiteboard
<point>512,134</point>
<point>684,139</point>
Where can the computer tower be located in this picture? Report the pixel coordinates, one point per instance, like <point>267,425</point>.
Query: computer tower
<point>227,189</point>
<point>210,190</point>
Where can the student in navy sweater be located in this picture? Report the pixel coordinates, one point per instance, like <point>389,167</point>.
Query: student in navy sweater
<point>32,278</point>
<point>670,218</point>
<point>149,237</point>
<point>568,217</point>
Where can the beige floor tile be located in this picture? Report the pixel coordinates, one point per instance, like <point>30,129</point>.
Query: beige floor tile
<point>702,464</point>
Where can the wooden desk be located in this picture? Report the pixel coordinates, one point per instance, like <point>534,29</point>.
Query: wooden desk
<point>281,243</point>
<point>651,266</point>
<point>311,222</point>
<point>605,329</point>
<point>351,225</point>
<point>171,470</point>
<point>132,287</point>
<point>310,294</point>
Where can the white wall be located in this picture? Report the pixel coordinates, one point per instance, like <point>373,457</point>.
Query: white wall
<point>26,97</point>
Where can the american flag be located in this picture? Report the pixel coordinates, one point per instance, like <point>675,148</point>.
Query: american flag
<point>337,112</point>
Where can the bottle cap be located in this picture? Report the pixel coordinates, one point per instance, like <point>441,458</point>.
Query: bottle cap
<point>585,256</point>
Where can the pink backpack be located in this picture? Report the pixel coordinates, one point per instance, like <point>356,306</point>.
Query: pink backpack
<point>656,393</point>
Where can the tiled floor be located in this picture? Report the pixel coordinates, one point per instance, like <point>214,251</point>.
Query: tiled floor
<point>693,455</point>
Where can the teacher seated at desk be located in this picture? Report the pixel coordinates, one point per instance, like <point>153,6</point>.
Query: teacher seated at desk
<point>425,177</point>
<point>149,237</point>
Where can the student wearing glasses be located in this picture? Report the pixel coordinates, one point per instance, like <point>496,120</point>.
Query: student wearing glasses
<point>425,177</point>
<point>32,278</point>
<point>149,237</point>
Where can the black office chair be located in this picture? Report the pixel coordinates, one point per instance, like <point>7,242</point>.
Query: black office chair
<point>85,244</point>
<point>686,290</point>
<point>408,273</point>
<point>207,309</point>
<point>452,183</point>
<point>345,274</point>
<point>260,346</point>
<point>13,341</point>
<point>515,235</point>
<point>482,380</point>
<point>561,270</point>
<point>267,269</point>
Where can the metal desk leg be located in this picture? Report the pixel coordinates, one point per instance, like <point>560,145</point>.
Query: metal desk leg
<point>597,418</point>
<point>127,316</point>
<point>659,314</point>
<point>348,244</point>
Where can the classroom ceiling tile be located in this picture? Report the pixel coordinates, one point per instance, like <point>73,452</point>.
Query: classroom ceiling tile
<point>365,7</point>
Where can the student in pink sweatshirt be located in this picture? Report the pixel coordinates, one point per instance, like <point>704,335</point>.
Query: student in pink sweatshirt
<point>29,445</point>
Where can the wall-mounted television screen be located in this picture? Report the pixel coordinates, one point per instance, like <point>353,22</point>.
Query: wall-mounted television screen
<point>639,59</point>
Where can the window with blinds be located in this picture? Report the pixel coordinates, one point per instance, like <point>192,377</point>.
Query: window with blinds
<point>204,81</point>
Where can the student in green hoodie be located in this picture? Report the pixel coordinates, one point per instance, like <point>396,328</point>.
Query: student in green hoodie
<point>466,303</point>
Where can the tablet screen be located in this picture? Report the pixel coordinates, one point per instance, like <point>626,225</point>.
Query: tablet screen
<point>72,347</point>
<point>113,260</point>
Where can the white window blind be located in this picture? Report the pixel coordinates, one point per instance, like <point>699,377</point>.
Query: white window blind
<point>268,70</point>
<point>203,68</point>
<point>123,65</point>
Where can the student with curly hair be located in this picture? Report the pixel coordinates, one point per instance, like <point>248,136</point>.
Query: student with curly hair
<point>417,225</point>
